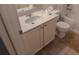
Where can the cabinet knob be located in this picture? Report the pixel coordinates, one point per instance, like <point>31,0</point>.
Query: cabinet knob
<point>20,31</point>
<point>45,25</point>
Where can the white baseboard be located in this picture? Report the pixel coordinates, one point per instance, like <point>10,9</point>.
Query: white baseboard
<point>75,31</point>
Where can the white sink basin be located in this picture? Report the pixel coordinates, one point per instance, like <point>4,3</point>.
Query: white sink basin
<point>32,20</point>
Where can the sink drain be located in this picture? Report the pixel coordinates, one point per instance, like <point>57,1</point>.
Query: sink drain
<point>33,23</point>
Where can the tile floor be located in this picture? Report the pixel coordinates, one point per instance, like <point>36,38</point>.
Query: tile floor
<point>69,45</point>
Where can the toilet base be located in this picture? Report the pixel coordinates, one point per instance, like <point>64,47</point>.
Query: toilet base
<point>60,35</point>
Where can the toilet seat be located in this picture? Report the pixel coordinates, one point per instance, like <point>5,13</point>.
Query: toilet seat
<point>62,26</point>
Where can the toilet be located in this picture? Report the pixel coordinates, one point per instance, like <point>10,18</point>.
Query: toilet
<point>64,26</point>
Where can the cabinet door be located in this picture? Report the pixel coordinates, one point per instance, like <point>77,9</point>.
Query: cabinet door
<point>49,31</point>
<point>32,41</point>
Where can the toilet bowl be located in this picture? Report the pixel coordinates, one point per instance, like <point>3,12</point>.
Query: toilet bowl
<point>63,26</point>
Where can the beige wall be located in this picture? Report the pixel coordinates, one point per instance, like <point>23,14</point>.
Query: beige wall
<point>75,15</point>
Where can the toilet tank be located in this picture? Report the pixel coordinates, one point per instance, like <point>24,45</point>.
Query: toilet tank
<point>68,20</point>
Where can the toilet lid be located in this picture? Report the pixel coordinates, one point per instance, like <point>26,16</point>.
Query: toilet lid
<point>63,25</point>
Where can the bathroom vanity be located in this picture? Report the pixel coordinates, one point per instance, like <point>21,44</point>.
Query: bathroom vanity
<point>38,34</point>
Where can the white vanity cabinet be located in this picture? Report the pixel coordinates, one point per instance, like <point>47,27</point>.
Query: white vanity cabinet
<point>40,36</point>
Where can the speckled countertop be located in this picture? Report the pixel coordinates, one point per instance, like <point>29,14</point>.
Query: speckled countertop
<point>28,26</point>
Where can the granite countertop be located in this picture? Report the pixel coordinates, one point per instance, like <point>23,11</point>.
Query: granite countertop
<point>28,26</point>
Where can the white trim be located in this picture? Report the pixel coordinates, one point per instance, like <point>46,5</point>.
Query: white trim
<point>5,39</point>
<point>12,24</point>
<point>75,31</point>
